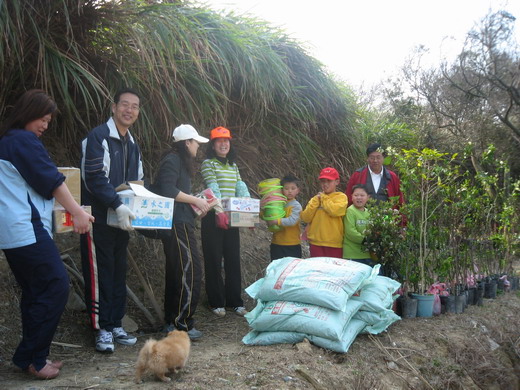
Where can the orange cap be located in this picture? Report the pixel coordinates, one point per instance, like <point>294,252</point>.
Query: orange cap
<point>220,132</point>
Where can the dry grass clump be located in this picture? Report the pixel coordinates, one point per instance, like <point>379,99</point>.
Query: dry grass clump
<point>487,368</point>
<point>191,65</point>
<point>10,323</point>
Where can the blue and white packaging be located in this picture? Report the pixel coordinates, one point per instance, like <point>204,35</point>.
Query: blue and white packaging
<point>243,205</point>
<point>152,211</point>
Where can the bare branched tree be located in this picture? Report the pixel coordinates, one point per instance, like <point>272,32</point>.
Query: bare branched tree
<point>488,70</point>
<point>475,99</point>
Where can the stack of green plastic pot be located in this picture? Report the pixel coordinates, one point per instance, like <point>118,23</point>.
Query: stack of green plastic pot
<point>272,202</point>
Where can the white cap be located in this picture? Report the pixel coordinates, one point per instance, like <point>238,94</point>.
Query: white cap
<point>184,132</point>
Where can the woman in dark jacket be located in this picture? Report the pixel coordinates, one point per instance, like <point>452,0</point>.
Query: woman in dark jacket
<point>183,266</point>
<point>29,183</point>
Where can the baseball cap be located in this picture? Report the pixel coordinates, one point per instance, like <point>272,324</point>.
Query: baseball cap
<point>220,132</point>
<point>184,132</point>
<point>329,173</point>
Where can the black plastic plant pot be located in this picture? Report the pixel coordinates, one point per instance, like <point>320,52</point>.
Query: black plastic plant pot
<point>491,289</point>
<point>408,307</point>
<point>448,304</point>
<point>480,294</point>
<point>472,296</point>
<point>460,303</point>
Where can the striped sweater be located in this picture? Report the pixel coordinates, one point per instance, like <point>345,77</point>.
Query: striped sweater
<point>223,179</point>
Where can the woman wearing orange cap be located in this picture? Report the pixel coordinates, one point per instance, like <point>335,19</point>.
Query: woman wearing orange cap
<point>220,173</point>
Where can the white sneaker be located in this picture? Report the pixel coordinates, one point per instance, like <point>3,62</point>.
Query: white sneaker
<point>219,311</point>
<point>121,337</point>
<point>104,341</point>
<point>240,310</point>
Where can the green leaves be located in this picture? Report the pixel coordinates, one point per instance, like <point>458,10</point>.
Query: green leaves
<point>384,233</point>
<point>454,226</point>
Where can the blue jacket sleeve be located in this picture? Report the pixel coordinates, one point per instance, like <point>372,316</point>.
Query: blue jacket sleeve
<point>32,160</point>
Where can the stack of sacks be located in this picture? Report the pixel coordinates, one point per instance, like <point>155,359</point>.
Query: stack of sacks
<point>310,299</point>
<point>377,298</point>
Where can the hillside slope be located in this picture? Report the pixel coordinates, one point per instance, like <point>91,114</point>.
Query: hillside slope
<point>479,349</point>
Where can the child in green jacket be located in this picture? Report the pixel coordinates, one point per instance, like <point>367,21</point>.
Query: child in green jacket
<point>355,222</point>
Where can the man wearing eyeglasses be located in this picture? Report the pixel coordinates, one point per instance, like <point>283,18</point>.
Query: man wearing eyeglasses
<point>110,157</point>
<point>381,182</point>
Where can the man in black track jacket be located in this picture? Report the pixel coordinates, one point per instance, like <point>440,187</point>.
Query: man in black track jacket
<point>110,157</point>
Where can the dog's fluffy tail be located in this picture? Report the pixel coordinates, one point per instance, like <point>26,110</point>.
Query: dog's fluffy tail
<point>147,349</point>
<point>144,357</point>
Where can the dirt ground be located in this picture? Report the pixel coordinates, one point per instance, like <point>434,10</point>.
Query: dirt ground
<point>479,349</point>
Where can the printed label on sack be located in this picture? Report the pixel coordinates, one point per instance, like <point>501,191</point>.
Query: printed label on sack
<point>286,272</point>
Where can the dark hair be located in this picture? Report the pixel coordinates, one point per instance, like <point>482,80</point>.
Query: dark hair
<point>210,152</point>
<point>374,148</point>
<point>181,149</point>
<point>361,187</point>
<point>33,104</point>
<point>290,179</point>
<point>118,94</point>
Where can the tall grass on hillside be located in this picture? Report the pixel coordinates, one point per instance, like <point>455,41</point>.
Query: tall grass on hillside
<point>192,65</point>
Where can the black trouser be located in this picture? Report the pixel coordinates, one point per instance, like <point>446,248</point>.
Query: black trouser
<point>40,272</point>
<point>103,258</point>
<point>280,251</point>
<point>182,277</point>
<point>217,244</point>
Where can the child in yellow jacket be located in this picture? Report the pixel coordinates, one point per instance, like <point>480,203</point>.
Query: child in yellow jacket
<point>324,214</point>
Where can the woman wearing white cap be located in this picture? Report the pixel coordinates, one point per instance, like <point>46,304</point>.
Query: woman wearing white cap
<point>183,265</point>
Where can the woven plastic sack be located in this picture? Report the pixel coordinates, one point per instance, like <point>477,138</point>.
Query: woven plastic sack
<point>350,332</point>
<point>377,322</point>
<point>321,281</point>
<point>299,317</point>
<point>377,295</point>
<point>269,338</point>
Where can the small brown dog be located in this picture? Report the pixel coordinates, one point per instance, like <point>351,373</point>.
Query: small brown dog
<point>163,356</point>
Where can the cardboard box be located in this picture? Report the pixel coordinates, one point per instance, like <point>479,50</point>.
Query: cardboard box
<point>73,182</point>
<point>209,196</point>
<point>62,220</point>
<point>245,205</point>
<point>242,219</point>
<point>152,211</point>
